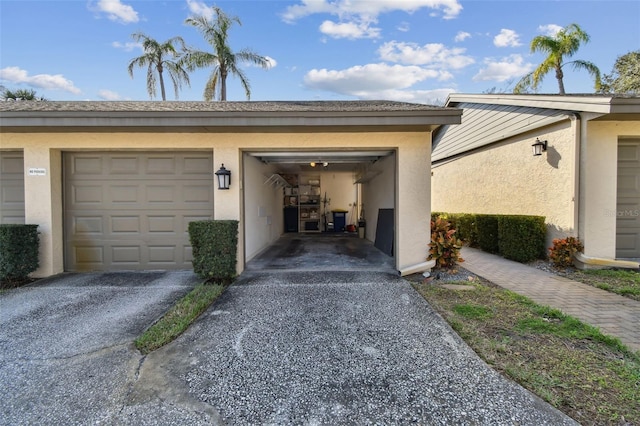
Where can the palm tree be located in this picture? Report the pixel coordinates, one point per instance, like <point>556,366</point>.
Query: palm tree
<point>565,43</point>
<point>20,94</point>
<point>223,60</point>
<point>160,57</point>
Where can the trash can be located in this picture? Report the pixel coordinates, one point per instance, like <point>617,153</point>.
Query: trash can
<point>361,228</point>
<point>339,220</point>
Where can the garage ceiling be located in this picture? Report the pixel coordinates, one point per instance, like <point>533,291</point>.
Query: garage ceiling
<point>293,161</point>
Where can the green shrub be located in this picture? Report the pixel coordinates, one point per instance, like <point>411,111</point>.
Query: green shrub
<point>215,246</point>
<point>464,224</point>
<point>487,229</point>
<point>466,228</point>
<point>18,252</point>
<point>444,246</point>
<point>563,249</point>
<point>521,238</point>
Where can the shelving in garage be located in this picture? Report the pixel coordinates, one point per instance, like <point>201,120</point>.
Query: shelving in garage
<point>302,204</point>
<point>309,202</point>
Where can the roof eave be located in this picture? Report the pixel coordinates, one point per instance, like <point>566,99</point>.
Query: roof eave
<point>228,119</point>
<point>594,104</point>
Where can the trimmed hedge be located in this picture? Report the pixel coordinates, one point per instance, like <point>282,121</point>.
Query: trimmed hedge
<point>516,237</point>
<point>522,238</point>
<point>215,247</point>
<point>488,234</point>
<point>18,251</point>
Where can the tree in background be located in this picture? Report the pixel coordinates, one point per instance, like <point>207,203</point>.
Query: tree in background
<point>564,44</point>
<point>159,57</point>
<point>20,94</point>
<point>625,77</point>
<point>223,60</point>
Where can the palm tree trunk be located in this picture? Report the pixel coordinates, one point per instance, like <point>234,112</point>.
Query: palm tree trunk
<point>560,77</point>
<point>160,69</point>
<point>223,84</point>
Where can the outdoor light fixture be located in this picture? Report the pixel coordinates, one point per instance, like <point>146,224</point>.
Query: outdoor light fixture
<point>224,177</point>
<point>538,147</point>
<point>312,164</point>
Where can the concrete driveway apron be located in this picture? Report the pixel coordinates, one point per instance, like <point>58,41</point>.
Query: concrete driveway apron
<point>326,347</point>
<point>66,352</point>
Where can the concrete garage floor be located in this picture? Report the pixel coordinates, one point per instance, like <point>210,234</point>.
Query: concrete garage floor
<point>322,252</point>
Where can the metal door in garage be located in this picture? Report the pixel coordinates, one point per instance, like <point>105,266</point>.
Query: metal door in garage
<point>628,208</point>
<point>131,210</point>
<point>11,187</point>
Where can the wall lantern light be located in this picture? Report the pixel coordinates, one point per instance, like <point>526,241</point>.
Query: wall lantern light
<point>539,147</point>
<point>224,177</point>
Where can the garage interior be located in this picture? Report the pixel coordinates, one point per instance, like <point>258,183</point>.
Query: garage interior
<point>318,193</point>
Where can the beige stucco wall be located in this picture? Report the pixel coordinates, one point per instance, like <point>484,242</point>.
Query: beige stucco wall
<point>44,195</point>
<point>506,178</point>
<point>598,170</point>
<point>379,193</point>
<point>263,222</point>
<point>341,191</point>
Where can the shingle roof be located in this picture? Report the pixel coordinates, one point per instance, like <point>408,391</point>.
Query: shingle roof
<point>275,114</point>
<point>249,106</point>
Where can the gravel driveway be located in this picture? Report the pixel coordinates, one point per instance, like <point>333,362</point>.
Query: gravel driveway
<point>316,347</point>
<point>66,352</point>
<point>329,348</point>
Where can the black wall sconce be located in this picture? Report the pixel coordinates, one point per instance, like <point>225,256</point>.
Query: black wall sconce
<point>224,177</point>
<point>539,147</point>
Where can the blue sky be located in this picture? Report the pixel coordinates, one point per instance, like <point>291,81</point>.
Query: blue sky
<point>405,50</point>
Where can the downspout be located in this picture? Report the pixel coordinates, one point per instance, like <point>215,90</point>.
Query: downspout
<point>420,267</point>
<point>577,120</point>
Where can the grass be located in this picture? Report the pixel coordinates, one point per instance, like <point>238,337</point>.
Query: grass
<point>589,376</point>
<point>179,317</point>
<point>620,281</point>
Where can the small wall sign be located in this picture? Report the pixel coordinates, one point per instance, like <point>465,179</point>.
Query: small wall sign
<point>37,172</point>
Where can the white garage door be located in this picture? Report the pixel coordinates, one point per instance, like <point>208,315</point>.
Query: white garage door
<point>131,210</point>
<point>11,187</point>
<point>628,209</point>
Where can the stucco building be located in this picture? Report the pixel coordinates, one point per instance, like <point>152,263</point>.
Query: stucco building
<point>586,183</point>
<point>113,185</point>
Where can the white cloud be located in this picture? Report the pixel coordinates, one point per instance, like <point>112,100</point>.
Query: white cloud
<point>361,80</point>
<point>549,30</point>
<point>507,38</point>
<point>366,10</point>
<point>200,9</point>
<point>429,97</point>
<point>356,18</point>
<point>271,63</point>
<point>505,69</point>
<point>109,95</point>
<point>116,11</point>
<point>461,36</point>
<point>350,30</point>
<point>127,47</point>
<point>16,75</point>
<point>431,54</point>
<point>404,27</point>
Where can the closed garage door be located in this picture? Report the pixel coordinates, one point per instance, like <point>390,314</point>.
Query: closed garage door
<point>130,211</point>
<point>628,209</point>
<point>11,187</point>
